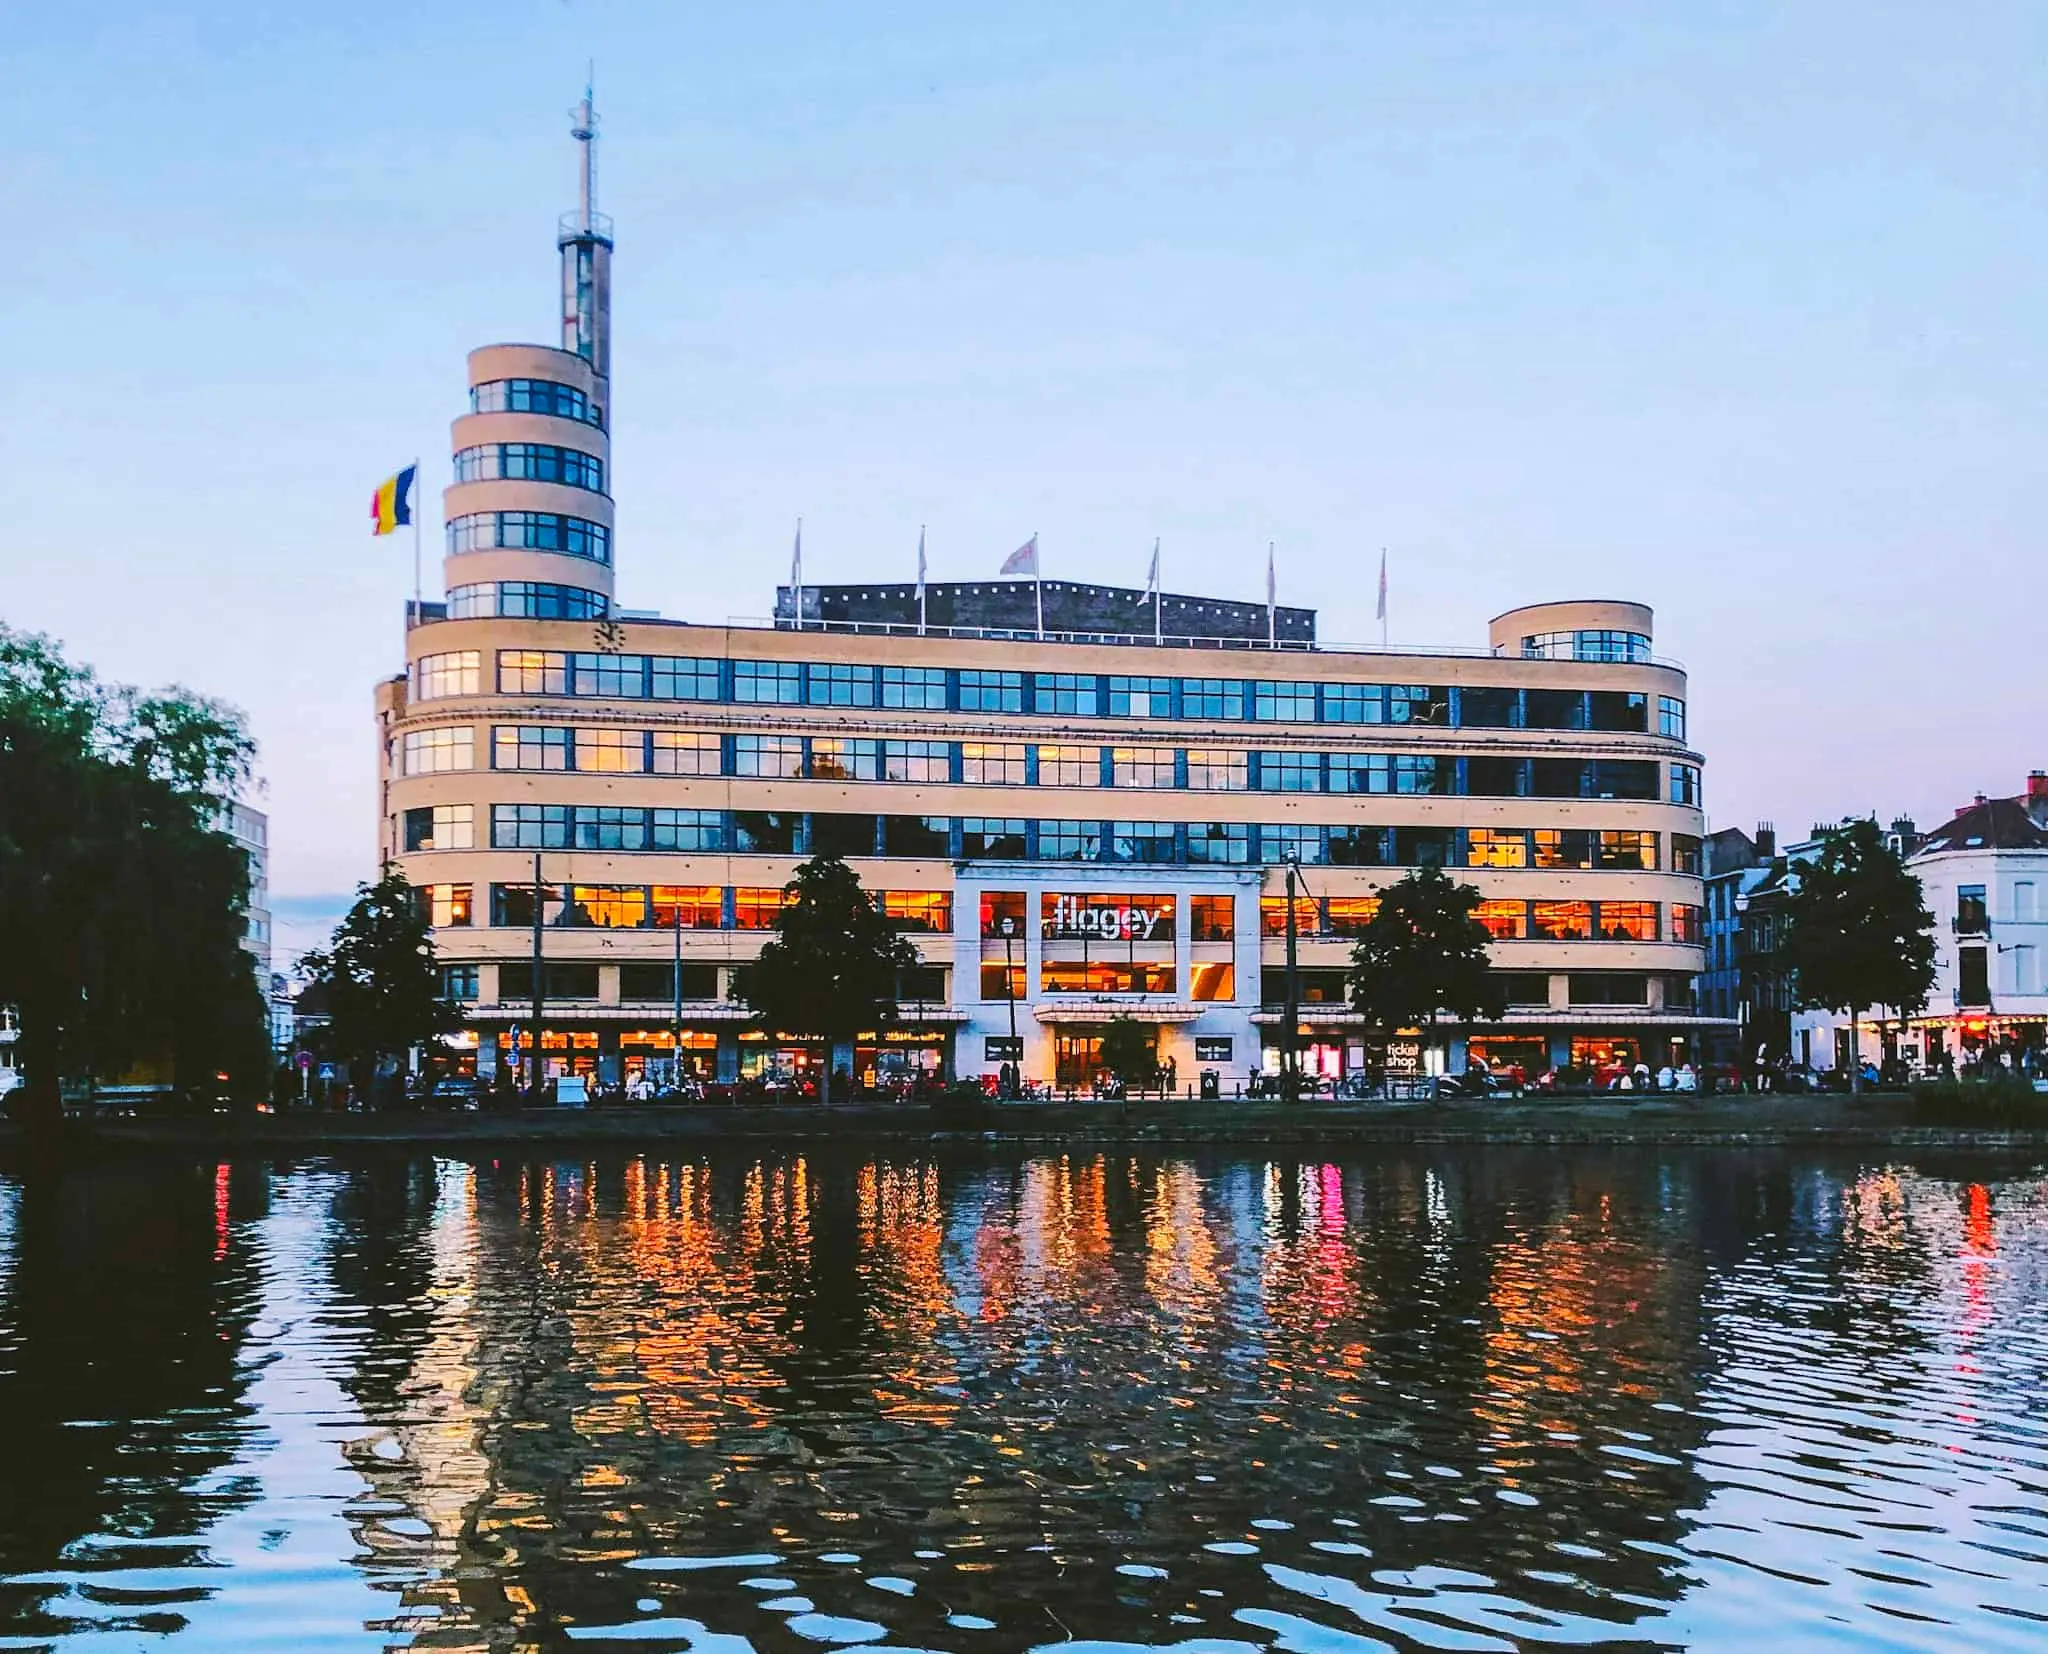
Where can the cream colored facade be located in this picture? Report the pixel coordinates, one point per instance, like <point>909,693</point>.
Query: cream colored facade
<point>671,776</point>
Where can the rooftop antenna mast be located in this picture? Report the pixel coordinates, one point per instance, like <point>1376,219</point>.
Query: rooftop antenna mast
<point>585,240</point>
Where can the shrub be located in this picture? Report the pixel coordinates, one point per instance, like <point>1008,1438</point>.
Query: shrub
<point>2005,1102</point>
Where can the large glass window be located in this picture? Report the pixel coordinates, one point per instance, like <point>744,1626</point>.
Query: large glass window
<point>1212,979</point>
<point>610,827</point>
<point>1000,909</point>
<point>609,677</point>
<point>529,747</point>
<point>1685,853</point>
<point>1073,694</point>
<point>1496,847</point>
<point>1069,841</point>
<point>1973,913</point>
<point>1069,766</point>
<point>922,687</point>
<point>525,600</point>
<point>433,751</point>
<point>1283,703</point>
<point>991,691</point>
<point>1213,770</point>
<point>929,836</point>
<point>1420,772</point>
<point>1354,846</point>
<point>1212,918</point>
<point>1141,697</point>
<point>1559,847</point>
<point>841,685</point>
<point>756,909</point>
<point>1687,923</point>
<point>1291,772</point>
<point>653,981</point>
<point>436,677</point>
<point>611,751</point>
<point>1555,709</point>
<point>1505,921</point>
<point>1628,921</point>
<point>529,462</point>
<point>842,758</point>
<point>564,979</point>
<point>1417,703</point>
<point>1095,976</point>
<point>530,826</point>
<point>775,682</point>
<point>1211,698</point>
<point>1151,767</point>
<point>1488,776</point>
<point>530,531</point>
<point>927,911</point>
<point>441,827</point>
<point>689,907</point>
<point>532,672</point>
<point>1630,851</point>
<point>1627,647</point>
<point>1223,843</point>
<point>1153,842</point>
<point>541,396</point>
<point>1685,784</point>
<point>444,906</point>
<point>774,833</point>
<point>1489,706</point>
<point>682,752</point>
<point>777,757</point>
<point>1291,841</point>
<point>992,763</point>
<point>1620,711</point>
<point>682,678</point>
<point>1361,772</point>
<point>1349,915</point>
<point>1423,846</point>
<point>459,982</point>
<point>1354,703</point>
<point>1671,717</point>
<point>608,906</point>
<point>1561,921</point>
<point>992,838</point>
<point>1608,988</point>
<point>1308,916</point>
<point>926,761</point>
<point>1621,778</point>
<point>686,830</point>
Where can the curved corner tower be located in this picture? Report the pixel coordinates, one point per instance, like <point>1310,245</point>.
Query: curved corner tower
<point>530,514</point>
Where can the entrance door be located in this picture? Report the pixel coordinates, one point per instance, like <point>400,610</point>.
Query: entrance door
<point>1076,1056</point>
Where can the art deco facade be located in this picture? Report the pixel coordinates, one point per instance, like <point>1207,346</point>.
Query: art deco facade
<point>1072,825</point>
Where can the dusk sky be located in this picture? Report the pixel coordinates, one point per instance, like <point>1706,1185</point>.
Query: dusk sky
<point>1731,308</point>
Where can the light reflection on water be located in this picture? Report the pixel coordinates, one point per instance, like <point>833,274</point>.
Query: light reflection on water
<point>1484,1399</point>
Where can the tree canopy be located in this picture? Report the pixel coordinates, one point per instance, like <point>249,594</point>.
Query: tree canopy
<point>122,903</point>
<point>1422,955</point>
<point>833,968</point>
<point>383,987</point>
<point>1857,932</point>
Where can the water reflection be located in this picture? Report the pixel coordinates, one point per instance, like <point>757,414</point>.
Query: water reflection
<point>1483,1399</point>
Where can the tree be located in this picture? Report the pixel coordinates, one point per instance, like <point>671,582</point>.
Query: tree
<point>1129,1050</point>
<point>1857,933</point>
<point>832,970</point>
<point>122,904</point>
<point>1424,954</point>
<point>382,985</point>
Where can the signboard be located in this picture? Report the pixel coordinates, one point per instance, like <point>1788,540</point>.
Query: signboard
<point>1097,916</point>
<point>305,1061</point>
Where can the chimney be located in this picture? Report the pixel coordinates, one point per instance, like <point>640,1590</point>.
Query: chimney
<point>2037,784</point>
<point>1766,838</point>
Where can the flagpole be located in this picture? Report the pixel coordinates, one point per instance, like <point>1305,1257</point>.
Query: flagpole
<point>1272,598</point>
<point>1037,586</point>
<point>796,598</point>
<point>1383,597</point>
<point>419,595</point>
<point>1156,638</point>
<point>920,579</point>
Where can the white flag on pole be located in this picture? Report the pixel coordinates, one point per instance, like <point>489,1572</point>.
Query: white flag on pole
<point>920,580</point>
<point>796,576</point>
<point>1272,598</point>
<point>1024,560</point>
<point>1382,615</point>
<point>1152,579</point>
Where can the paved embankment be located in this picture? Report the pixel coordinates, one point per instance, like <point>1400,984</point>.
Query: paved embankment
<point>1871,1122</point>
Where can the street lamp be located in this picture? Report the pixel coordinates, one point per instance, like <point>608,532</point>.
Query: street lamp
<point>1008,927</point>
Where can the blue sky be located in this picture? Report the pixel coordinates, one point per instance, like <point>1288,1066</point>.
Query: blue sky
<point>1733,308</point>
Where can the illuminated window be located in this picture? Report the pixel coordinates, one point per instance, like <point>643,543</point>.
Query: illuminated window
<point>431,751</point>
<point>756,909</point>
<point>1496,847</point>
<point>1103,916</point>
<point>1504,921</point>
<point>1212,980</point>
<point>444,905</point>
<point>1561,921</point>
<point>611,751</point>
<point>1686,923</point>
<point>1685,853</point>
<point>679,753</point>
<point>435,677</point>
<point>1212,919</point>
<point>1212,770</point>
<point>1308,919</point>
<point>532,672</point>
<point>529,747</point>
<point>1562,847</point>
<point>689,907</point>
<point>1349,915</point>
<point>1069,766</point>
<point>1000,981</point>
<point>999,906</point>
<point>608,906</point>
<point>992,764</point>
<point>1628,921</point>
<point>1141,766</point>
<point>1626,850</point>
<point>920,910</point>
<point>1096,976</point>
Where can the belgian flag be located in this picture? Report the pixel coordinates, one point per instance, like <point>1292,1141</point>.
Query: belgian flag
<point>391,505</point>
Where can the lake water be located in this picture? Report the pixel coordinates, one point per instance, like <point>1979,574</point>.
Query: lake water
<point>1459,1399</point>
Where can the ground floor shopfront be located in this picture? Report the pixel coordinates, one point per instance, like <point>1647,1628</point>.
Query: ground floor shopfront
<point>1334,1045</point>
<point>1962,1040</point>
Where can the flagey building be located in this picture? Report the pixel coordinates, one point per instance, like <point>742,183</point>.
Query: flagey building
<point>1074,815</point>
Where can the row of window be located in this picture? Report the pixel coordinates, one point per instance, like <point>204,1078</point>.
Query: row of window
<point>530,462</point>
<point>530,531</point>
<point>1553,849</point>
<point>525,600</point>
<point>1592,644</point>
<point>1524,988</point>
<point>539,396</point>
<point>983,838</point>
<point>642,982</point>
<point>1061,694</point>
<point>657,907</point>
<point>1025,764</point>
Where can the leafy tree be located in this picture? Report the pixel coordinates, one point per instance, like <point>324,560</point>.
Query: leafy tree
<point>1857,933</point>
<point>1129,1051</point>
<point>383,987</point>
<point>832,970</point>
<point>122,905</point>
<point>1423,954</point>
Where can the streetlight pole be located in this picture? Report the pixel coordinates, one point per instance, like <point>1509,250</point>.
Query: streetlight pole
<point>1009,930</point>
<point>533,1061</point>
<point>676,1005</point>
<point>1290,1047</point>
